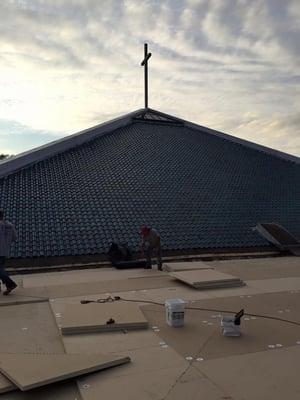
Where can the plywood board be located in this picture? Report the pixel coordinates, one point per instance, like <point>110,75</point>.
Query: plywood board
<point>277,285</point>
<point>264,375</point>
<point>201,334</point>
<point>65,390</point>
<point>153,374</point>
<point>94,317</point>
<point>260,268</point>
<point>86,276</point>
<point>82,289</point>
<point>6,385</point>
<point>185,266</point>
<point>29,328</point>
<point>168,384</point>
<point>207,278</point>
<point>48,368</point>
<point>15,299</point>
<point>112,342</point>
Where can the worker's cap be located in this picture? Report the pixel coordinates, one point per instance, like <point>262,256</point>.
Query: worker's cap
<point>144,230</point>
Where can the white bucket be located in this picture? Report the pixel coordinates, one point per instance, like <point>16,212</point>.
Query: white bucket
<point>175,312</point>
<point>228,327</point>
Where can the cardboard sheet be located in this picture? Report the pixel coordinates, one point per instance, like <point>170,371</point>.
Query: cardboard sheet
<point>95,317</point>
<point>28,371</point>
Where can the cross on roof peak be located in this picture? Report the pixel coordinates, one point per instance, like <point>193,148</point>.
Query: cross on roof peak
<point>144,64</point>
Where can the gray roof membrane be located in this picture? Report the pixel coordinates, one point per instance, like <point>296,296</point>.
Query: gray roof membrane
<point>200,190</point>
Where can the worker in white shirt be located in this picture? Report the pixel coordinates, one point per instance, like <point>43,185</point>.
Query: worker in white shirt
<point>150,243</point>
<point>7,236</point>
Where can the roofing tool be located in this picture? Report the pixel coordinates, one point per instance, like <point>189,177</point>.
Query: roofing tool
<point>231,324</point>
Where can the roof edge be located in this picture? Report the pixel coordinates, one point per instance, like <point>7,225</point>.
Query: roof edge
<point>234,139</point>
<point>58,146</point>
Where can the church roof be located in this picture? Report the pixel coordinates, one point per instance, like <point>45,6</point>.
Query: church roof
<point>201,189</point>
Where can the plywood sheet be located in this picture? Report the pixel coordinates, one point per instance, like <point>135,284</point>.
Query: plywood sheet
<point>81,289</point>
<point>48,368</point>
<point>153,374</point>
<point>207,278</point>
<point>86,276</point>
<point>264,375</point>
<point>66,390</point>
<point>15,299</point>
<point>277,285</point>
<point>260,268</point>
<point>94,317</point>
<point>201,334</point>
<point>29,328</point>
<point>175,383</point>
<point>6,385</point>
<point>185,266</point>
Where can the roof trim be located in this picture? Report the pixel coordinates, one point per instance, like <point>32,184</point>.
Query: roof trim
<point>58,146</point>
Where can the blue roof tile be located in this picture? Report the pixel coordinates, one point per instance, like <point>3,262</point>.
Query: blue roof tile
<point>197,189</point>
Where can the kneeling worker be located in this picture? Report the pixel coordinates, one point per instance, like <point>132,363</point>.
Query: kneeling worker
<point>150,242</point>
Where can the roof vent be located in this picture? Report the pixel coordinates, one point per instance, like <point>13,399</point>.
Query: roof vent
<point>279,236</point>
<point>156,117</point>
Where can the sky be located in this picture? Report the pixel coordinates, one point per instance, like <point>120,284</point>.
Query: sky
<point>230,65</point>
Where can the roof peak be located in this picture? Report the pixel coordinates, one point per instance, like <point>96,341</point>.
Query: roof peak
<point>148,114</point>
<point>145,115</point>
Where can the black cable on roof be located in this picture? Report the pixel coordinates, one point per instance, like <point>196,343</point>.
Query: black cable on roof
<point>118,298</point>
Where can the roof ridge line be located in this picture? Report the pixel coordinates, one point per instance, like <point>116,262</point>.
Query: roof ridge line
<point>65,143</point>
<point>226,136</point>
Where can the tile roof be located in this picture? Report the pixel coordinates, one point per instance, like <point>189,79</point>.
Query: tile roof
<point>197,187</point>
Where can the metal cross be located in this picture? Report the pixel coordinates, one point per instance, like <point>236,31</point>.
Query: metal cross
<point>144,63</point>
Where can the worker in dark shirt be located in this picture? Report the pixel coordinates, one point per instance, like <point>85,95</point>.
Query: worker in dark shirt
<point>7,236</point>
<point>151,243</point>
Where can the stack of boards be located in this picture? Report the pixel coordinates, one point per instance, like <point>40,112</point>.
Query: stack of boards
<point>102,317</point>
<point>29,371</point>
<point>185,266</point>
<point>208,279</point>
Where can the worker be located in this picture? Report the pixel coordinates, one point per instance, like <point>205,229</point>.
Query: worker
<point>7,236</point>
<point>150,243</point>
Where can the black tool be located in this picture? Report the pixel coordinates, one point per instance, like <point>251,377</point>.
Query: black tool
<point>238,316</point>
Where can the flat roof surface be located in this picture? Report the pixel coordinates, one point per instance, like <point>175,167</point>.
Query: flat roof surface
<point>167,363</point>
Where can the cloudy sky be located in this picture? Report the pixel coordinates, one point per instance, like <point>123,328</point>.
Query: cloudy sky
<point>231,65</point>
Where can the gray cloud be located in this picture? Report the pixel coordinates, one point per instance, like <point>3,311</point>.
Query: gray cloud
<point>77,63</point>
